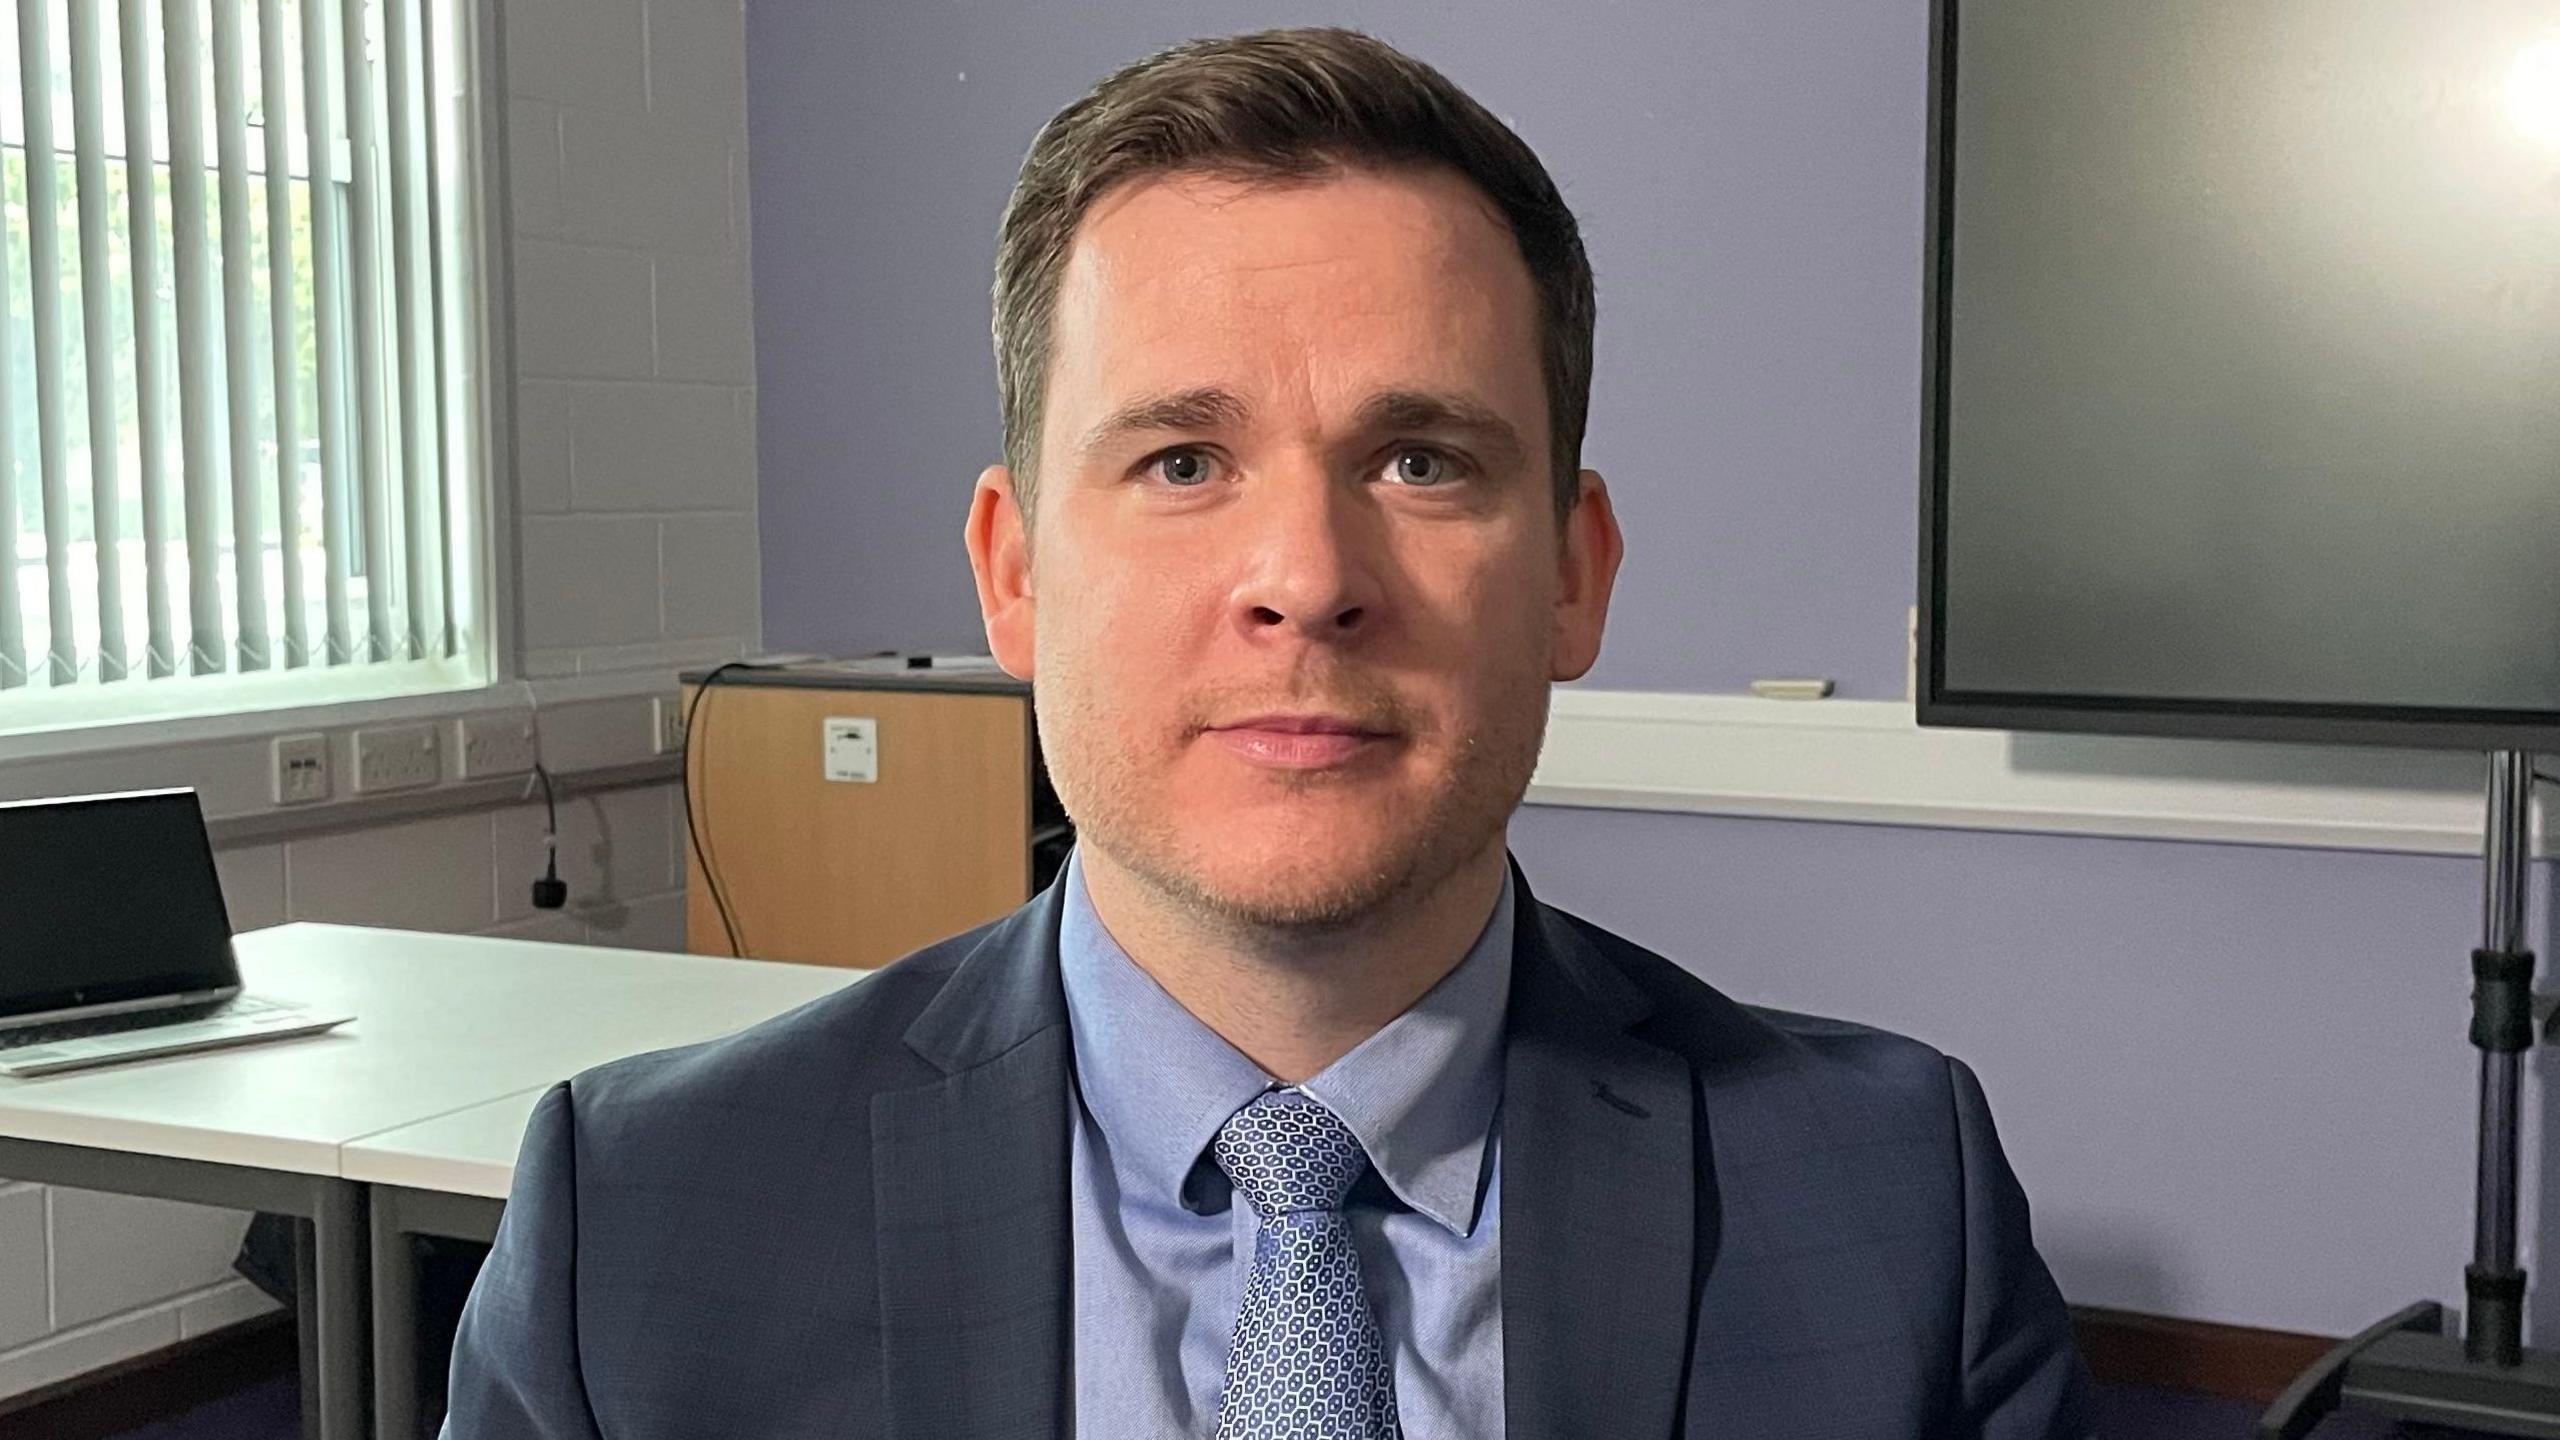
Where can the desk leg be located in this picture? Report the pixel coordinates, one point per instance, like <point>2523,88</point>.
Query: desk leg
<point>328,1262</point>
<point>398,1217</point>
<point>395,1330</point>
<point>339,1244</point>
<point>306,1324</point>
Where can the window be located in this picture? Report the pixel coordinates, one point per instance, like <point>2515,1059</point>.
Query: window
<point>237,456</point>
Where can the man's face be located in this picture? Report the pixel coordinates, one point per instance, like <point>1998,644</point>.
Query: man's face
<point>1294,588</point>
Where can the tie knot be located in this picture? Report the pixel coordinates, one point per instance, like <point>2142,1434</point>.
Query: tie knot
<point>1285,1152</point>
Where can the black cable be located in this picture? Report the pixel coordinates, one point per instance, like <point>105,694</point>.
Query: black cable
<point>693,832</point>
<point>549,893</point>
<point>698,834</point>
<point>550,808</point>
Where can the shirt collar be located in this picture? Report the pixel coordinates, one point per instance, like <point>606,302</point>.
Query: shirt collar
<point>1420,1094</point>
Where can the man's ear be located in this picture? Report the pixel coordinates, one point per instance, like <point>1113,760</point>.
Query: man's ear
<point>1000,557</point>
<point>1588,572</point>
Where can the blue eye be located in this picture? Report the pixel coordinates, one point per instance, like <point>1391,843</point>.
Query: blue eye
<point>1184,469</point>
<point>1422,467</point>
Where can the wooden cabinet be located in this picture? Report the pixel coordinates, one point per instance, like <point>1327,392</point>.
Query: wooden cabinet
<point>958,827</point>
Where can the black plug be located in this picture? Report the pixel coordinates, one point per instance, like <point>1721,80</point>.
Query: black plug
<point>549,892</point>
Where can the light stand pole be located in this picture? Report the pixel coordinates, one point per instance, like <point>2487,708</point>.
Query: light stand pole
<point>2405,1366</point>
<point>2502,1026</point>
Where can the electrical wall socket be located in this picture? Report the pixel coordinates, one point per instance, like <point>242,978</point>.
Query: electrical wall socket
<point>398,757</point>
<point>666,722</point>
<point>494,745</point>
<point>301,769</point>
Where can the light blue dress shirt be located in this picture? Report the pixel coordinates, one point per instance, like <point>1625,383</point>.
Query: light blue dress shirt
<point>1162,1248</point>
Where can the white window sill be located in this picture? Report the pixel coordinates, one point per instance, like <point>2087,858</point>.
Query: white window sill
<point>601,729</point>
<point>141,734</point>
<point>129,715</point>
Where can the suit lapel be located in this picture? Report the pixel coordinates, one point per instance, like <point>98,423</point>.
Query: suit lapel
<point>970,1181</point>
<point>1599,1218</point>
<point>1599,1197</point>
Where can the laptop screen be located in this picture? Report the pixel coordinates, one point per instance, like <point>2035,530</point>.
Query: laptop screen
<point>107,898</point>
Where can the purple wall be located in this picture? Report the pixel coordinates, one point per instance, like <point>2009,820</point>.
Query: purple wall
<point>2233,1078</point>
<point>1748,179</point>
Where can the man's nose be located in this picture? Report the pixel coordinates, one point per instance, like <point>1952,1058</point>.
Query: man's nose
<point>1311,563</point>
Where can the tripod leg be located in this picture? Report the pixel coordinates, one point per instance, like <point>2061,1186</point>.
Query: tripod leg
<point>2313,1395</point>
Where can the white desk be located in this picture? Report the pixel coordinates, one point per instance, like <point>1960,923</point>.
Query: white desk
<point>443,1023</point>
<point>664,1001</point>
<point>451,1175</point>
<point>469,1152</point>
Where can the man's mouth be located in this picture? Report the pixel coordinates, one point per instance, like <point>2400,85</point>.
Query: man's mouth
<point>1300,740</point>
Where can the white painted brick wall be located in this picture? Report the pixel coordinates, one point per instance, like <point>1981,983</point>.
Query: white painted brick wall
<point>635,339</point>
<point>635,411</point>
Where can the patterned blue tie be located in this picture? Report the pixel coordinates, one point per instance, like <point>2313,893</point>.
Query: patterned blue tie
<point>1306,1362</point>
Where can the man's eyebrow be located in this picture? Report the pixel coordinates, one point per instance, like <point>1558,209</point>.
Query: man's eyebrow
<point>1207,407</point>
<point>1425,410</point>
<point>1204,407</point>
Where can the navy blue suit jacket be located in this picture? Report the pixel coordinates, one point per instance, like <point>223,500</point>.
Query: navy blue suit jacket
<point>851,1222</point>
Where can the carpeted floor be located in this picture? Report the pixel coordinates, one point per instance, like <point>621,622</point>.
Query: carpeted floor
<point>270,1410</point>
<point>2127,1412</point>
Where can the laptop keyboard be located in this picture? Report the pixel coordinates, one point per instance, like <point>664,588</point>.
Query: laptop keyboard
<point>24,1036</point>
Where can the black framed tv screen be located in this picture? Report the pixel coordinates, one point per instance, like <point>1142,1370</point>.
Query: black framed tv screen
<point>2244,391</point>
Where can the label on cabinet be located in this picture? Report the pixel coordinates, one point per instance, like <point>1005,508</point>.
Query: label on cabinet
<point>853,748</point>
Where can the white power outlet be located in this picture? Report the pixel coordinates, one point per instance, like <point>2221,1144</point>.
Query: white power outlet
<point>494,745</point>
<point>301,769</point>
<point>666,725</point>
<point>400,757</point>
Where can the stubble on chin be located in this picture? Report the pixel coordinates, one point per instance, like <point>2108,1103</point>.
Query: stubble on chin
<point>1303,893</point>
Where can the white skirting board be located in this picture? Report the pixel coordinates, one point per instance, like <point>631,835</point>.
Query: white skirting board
<point>1869,762</point>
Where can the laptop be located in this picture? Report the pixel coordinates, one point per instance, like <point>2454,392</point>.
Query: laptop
<point>114,942</point>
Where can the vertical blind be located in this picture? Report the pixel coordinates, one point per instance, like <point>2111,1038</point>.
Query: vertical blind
<point>224,407</point>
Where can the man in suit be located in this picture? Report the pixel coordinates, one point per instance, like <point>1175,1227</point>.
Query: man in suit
<point>1288,1110</point>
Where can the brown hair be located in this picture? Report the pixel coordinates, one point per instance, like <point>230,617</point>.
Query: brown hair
<point>1284,106</point>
